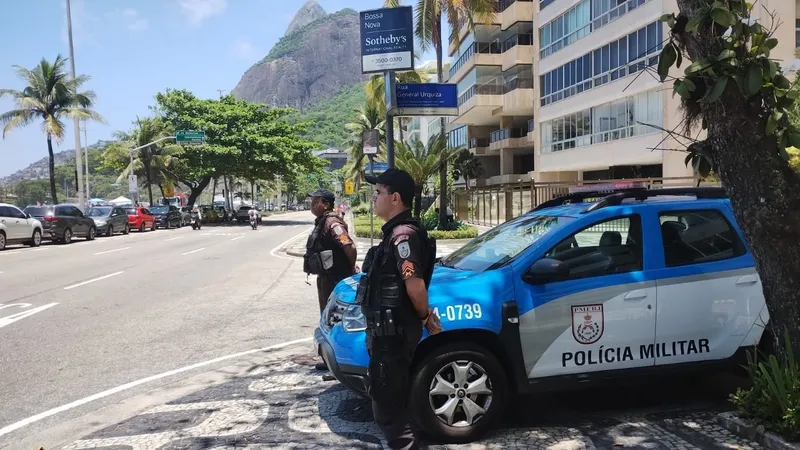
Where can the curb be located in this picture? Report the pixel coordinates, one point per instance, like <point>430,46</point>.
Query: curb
<point>757,433</point>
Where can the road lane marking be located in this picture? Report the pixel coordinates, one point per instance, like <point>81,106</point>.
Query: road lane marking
<point>8,320</point>
<point>193,251</point>
<point>51,412</point>
<point>287,242</point>
<point>112,251</point>
<point>173,239</point>
<point>237,238</point>
<point>93,280</point>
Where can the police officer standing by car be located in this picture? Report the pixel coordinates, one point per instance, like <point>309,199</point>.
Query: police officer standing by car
<point>330,252</point>
<point>394,299</point>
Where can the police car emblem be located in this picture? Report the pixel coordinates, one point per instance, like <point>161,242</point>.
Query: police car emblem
<point>587,323</point>
<point>403,249</point>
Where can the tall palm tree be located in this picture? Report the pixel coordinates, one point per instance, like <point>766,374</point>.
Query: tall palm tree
<point>50,96</point>
<point>422,161</point>
<point>376,90</point>
<point>153,161</point>
<point>368,117</point>
<point>428,29</point>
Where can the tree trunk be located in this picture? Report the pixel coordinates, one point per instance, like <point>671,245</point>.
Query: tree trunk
<point>147,176</point>
<point>418,201</point>
<point>195,191</point>
<point>764,191</point>
<point>227,191</point>
<point>52,164</point>
<point>443,167</point>
<point>214,190</point>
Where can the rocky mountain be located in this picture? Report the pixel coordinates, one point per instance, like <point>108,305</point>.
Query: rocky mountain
<point>318,57</point>
<point>41,168</point>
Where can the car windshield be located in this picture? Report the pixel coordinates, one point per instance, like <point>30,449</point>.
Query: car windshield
<point>98,212</point>
<point>159,209</point>
<point>501,244</point>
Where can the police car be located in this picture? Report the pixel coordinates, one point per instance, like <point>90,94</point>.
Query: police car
<point>584,288</point>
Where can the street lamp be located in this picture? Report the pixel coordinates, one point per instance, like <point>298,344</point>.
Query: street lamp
<point>81,199</point>
<point>139,148</point>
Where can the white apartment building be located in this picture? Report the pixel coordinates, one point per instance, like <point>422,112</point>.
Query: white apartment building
<point>556,90</point>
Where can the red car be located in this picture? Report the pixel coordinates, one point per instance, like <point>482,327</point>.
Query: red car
<point>139,218</point>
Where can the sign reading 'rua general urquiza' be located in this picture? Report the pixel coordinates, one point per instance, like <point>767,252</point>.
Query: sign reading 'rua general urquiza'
<point>387,39</point>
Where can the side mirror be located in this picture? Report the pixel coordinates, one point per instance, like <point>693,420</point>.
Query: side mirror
<point>28,216</point>
<point>546,270</point>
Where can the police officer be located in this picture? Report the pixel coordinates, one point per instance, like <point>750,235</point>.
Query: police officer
<point>330,252</point>
<point>395,302</point>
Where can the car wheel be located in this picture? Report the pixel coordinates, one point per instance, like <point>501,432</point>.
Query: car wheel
<point>141,228</point>
<point>110,230</point>
<point>2,240</point>
<point>67,238</point>
<point>458,393</point>
<point>36,239</point>
<point>127,229</point>
<point>153,227</point>
<point>92,234</point>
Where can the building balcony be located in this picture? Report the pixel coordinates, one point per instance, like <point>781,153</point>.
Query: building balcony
<point>475,106</point>
<point>518,97</point>
<point>508,138</point>
<point>514,11</point>
<point>478,146</point>
<point>517,50</point>
<point>532,131</point>
<point>509,178</point>
<point>479,54</point>
<point>621,152</point>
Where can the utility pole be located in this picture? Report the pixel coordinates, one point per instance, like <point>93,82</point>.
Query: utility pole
<point>86,157</point>
<point>220,92</point>
<point>81,199</point>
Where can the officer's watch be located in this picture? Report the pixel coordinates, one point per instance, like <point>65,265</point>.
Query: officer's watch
<point>427,314</point>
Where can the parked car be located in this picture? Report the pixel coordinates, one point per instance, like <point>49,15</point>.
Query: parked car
<point>61,223</point>
<point>140,218</point>
<point>583,289</point>
<point>167,216</point>
<point>18,227</point>
<point>109,219</point>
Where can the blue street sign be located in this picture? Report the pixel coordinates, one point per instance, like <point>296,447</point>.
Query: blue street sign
<point>387,39</point>
<point>427,99</point>
<point>378,167</point>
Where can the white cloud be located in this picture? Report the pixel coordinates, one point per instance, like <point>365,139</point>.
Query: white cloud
<point>134,21</point>
<point>196,11</point>
<point>244,49</point>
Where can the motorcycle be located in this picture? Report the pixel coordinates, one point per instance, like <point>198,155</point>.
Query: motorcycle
<point>195,222</point>
<point>253,222</point>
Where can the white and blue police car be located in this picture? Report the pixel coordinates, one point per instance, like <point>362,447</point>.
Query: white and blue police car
<point>584,288</point>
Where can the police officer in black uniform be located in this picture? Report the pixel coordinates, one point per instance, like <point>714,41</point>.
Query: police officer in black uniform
<point>330,252</point>
<point>394,298</point>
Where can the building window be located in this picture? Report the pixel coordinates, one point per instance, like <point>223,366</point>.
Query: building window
<point>457,137</point>
<point>615,60</point>
<point>620,119</point>
<point>797,33</point>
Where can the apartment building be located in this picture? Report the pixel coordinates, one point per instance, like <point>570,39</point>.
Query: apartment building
<point>565,90</point>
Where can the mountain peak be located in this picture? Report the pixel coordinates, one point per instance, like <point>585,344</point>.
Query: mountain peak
<point>310,12</point>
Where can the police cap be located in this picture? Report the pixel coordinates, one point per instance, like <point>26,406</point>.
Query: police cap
<point>398,181</point>
<point>324,194</point>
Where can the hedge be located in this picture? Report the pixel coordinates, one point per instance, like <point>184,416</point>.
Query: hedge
<point>469,232</point>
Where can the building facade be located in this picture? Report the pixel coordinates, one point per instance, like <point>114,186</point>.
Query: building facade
<point>566,90</point>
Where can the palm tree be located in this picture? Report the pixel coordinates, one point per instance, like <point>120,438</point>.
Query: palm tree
<point>428,30</point>
<point>422,161</point>
<point>368,117</point>
<point>375,90</point>
<point>153,161</point>
<point>50,96</point>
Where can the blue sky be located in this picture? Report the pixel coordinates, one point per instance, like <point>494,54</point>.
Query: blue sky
<point>133,49</point>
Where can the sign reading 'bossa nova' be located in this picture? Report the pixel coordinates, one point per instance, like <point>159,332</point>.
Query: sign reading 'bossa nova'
<point>387,39</point>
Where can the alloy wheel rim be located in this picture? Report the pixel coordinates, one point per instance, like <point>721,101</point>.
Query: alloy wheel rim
<point>460,393</point>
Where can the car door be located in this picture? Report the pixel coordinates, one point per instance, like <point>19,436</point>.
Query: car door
<point>709,293</point>
<point>602,315</point>
<point>82,223</point>
<point>23,228</point>
<point>119,218</point>
<point>12,223</point>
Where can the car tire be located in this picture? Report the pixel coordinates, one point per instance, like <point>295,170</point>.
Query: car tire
<point>141,228</point>
<point>2,240</point>
<point>92,234</point>
<point>110,230</point>
<point>36,238</point>
<point>67,237</point>
<point>153,227</point>
<point>475,362</point>
<point>127,229</point>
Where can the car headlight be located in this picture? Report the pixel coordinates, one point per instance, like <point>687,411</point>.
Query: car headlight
<point>353,319</point>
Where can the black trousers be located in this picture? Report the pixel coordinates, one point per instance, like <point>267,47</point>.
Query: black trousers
<point>325,287</point>
<point>394,420</point>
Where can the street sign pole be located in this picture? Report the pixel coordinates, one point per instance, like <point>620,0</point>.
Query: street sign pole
<point>371,202</point>
<point>389,82</point>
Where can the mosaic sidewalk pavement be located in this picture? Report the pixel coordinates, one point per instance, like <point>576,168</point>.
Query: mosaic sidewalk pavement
<point>286,405</point>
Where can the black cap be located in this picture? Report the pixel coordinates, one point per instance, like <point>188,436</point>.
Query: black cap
<point>398,181</point>
<point>324,194</point>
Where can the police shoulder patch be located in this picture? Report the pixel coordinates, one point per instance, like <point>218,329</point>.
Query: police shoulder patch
<point>403,249</point>
<point>337,230</point>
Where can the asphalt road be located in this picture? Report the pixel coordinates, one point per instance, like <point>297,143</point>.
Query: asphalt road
<point>105,313</point>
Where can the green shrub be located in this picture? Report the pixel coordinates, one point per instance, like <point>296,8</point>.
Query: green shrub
<point>362,230</point>
<point>773,400</point>
<point>361,210</point>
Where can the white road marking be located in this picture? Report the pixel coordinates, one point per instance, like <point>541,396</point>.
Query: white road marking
<point>237,238</point>
<point>193,251</point>
<point>173,239</point>
<point>8,320</point>
<point>22,250</point>
<point>25,422</point>
<point>284,243</point>
<point>112,251</point>
<point>93,280</point>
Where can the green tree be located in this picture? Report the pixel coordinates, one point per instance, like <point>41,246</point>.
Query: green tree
<point>467,166</point>
<point>29,192</point>
<point>367,117</point>
<point>50,96</point>
<point>422,161</point>
<point>375,89</point>
<point>739,95</point>
<point>428,29</point>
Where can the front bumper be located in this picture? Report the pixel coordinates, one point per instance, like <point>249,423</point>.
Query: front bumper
<point>349,371</point>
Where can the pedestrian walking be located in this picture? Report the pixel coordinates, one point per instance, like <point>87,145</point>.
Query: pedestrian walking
<point>394,299</point>
<point>330,252</point>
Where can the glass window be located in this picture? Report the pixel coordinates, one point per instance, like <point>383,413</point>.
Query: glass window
<point>632,47</point>
<point>797,33</point>
<point>696,237</point>
<point>610,247</point>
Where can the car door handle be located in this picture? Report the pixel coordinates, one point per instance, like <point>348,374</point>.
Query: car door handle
<point>638,294</point>
<point>747,280</point>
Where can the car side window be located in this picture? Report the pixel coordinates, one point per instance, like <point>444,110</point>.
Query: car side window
<point>14,212</point>
<point>146,211</point>
<point>4,211</point>
<point>695,237</point>
<point>76,212</point>
<point>609,247</point>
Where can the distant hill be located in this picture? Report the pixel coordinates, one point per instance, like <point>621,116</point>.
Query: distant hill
<point>329,117</point>
<point>41,168</point>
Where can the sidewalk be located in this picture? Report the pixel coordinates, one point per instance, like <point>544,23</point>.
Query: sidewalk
<point>282,402</point>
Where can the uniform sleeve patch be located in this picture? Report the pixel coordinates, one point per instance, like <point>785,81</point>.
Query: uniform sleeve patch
<point>337,230</point>
<point>407,269</point>
<point>404,250</point>
<point>344,239</point>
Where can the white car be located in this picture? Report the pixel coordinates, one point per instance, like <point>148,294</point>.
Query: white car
<point>16,227</point>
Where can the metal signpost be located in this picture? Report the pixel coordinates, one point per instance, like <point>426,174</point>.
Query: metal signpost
<point>387,45</point>
<point>426,99</point>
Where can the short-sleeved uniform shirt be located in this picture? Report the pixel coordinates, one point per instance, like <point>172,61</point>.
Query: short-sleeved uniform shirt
<point>336,237</point>
<point>408,252</point>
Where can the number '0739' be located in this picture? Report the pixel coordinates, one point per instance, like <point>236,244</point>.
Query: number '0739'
<point>467,311</point>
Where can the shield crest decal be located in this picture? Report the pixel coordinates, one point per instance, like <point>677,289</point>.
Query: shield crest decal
<point>587,323</point>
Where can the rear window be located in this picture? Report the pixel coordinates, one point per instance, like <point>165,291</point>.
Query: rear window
<point>38,211</point>
<point>98,212</point>
<point>130,210</point>
<point>244,208</point>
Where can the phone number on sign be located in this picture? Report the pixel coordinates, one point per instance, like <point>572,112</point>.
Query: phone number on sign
<point>388,60</point>
<point>460,312</point>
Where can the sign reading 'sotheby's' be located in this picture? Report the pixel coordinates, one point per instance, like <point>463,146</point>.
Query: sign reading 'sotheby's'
<point>387,39</point>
